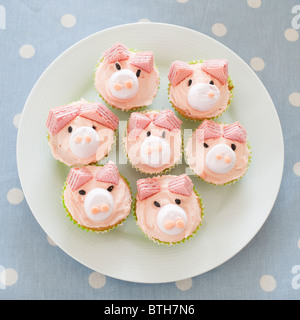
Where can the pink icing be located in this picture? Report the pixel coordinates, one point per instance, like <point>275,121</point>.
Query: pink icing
<point>148,84</point>
<point>121,196</point>
<point>108,173</point>
<point>178,94</point>
<point>196,153</point>
<point>133,142</point>
<point>146,211</point>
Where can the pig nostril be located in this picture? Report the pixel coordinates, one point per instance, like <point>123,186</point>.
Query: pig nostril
<point>128,84</point>
<point>104,208</point>
<point>211,94</point>
<point>88,139</point>
<point>149,150</point>
<point>117,86</point>
<point>180,224</point>
<point>169,225</point>
<point>78,139</point>
<point>227,159</point>
<point>95,210</point>
<point>218,156</point>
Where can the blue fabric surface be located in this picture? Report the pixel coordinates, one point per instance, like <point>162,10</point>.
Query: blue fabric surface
<point>31,265</point>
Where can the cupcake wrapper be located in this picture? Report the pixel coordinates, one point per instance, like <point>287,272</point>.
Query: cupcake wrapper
<point>87,228</point>
<point>164,243</point>
<point>167,170</point>
<point>230,87</point>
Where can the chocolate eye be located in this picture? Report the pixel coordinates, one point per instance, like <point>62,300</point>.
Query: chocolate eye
<point>163,135</point>
<point>94,127</point>
<point>157,204</point>
<point>190,82</point>
<point>138,73</point>
<point>70,129</point>
<point>233,147</point>
<point>110,188</point>
<point>148,133</point>
<point>178,201</point>
<point>205,145</point>
<point>82,192</point>
<point>211,82</point>
<point>118,67</point>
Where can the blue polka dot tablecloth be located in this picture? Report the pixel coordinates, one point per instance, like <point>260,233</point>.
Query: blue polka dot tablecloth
<point>34,32</point>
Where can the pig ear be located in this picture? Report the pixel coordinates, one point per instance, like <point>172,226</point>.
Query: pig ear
<point>143,60</point>
<point>147,188</point>
<point>217,68</point>
<point>182,185</point>
<point>179,70</point>
<point>208,130</point>
<point>78,177</point>
<point>167,119</point>
<point>59,117</point>
<point>117,52</point>
<point>108,173</point>
<point>235,132</point>
<point>100,113</point>
<point>137,123</point>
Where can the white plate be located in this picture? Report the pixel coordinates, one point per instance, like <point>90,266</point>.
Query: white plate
<point>234,214</point>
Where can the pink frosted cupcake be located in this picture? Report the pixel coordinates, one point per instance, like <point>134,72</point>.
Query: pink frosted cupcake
<point>97,198</point>
<point>153,141</point>
<point>81,133</point>
<point>168,210</point>
<point>218,153</point>
<point>200,90</point>
<point>125,79</point>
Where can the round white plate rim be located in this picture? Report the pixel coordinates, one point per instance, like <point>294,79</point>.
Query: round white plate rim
<point>48,231</point>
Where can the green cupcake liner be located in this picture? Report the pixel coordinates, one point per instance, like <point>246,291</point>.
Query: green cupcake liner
<point>164,243</point>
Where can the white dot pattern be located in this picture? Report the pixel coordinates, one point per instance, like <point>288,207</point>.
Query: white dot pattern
<point>219,29</point>
<point>15,196</point>
<point>68,21</point>
<point>27,51</point>
<point>97,280</point>
<point>267,283</point>
<point>185,284</point>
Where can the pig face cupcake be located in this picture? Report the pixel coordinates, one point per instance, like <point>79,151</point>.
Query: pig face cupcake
<point>153,141</point>
<point>200,90</point>
<point>97,198</point>
<point>218,153</point>
<point>81,133</point>
<point>125,79</point>
<point>167,209</point>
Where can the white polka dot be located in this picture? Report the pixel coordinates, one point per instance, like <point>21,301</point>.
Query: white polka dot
<point>8,277</point>
<point>257,64</point>
<point>50,241</point>
<point>254,3</point>
<point>294,99</point>
<point>182,1</point>
<point>15,196</point>
<point>97,280</point>
<point>267,283</point>
<point>68,20</point>
<point>144,20</point>
<point>219,29</point>
<point>27,51</point>
<point>17,119</point>
<point>185,284</point>
<point>291,34</point>
<point>297,168</point>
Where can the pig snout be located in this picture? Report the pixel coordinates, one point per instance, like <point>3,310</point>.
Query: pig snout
<point>203,96</point>
<point>220,158</point>
<point>123,84</point>
<point>155,151</point>
<point>171,219</point>
<point>98,204</point>
<point>84,142</point>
